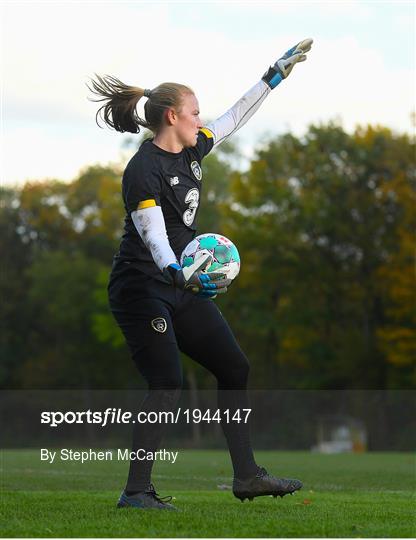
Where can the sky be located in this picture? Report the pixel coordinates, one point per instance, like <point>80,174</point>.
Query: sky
<point>361,70</point>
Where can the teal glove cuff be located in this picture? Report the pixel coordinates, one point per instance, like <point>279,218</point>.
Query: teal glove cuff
<point>272,77</point>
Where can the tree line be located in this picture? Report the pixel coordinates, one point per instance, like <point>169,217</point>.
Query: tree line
<point>325,299</point>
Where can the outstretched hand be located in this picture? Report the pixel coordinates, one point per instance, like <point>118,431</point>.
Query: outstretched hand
<point>283,67</point>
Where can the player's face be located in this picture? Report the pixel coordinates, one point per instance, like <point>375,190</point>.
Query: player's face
<point>188,122</point>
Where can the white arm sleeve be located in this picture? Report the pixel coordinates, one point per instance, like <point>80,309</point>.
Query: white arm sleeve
<point>240,112</point>
<point>150,225</point>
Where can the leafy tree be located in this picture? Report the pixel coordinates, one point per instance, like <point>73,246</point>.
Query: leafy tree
<point>17,256</point>
<point>45,222</point>
<point>314,231</point>
<point>95,206</point>
<point>396,276</point>
<point>57,234</point>
<point>325,298</point>
<point>63,351</point>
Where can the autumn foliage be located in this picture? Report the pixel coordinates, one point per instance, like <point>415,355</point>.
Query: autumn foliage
<point>325,227</point>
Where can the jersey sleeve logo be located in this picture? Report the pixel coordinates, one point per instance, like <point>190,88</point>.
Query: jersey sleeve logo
<point>196,169</point>
<point>192,199</point>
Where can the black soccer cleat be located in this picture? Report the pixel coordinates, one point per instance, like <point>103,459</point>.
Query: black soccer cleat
<point>145,500</point>
<point>264,484</point>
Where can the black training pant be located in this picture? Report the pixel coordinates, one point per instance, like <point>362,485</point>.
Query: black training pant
<point>158,321</point>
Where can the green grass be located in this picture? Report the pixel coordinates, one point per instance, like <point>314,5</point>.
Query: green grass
<point>367,495</point>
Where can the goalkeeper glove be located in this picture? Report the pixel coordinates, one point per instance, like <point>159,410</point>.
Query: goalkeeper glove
<point>282,68</point>
<point>193,278</point>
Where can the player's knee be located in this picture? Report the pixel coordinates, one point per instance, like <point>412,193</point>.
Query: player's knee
<point>240,372</point>
<point>160,366</point>
<point>235,373</point>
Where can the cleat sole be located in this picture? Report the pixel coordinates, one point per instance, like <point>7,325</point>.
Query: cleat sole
<point>251,496</point>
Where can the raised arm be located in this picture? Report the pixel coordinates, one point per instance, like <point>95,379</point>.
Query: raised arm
<point>246,106</point>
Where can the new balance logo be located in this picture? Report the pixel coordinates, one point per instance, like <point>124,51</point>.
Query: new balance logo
<point>174,180</point>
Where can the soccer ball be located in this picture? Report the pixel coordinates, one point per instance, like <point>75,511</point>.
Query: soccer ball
<point>225,256</point>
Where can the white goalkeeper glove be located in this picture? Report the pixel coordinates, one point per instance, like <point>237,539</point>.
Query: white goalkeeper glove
<point>282,67</point>
<point>194,279</point>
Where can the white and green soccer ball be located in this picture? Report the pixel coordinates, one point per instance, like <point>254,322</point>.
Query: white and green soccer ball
<point>224,255</point>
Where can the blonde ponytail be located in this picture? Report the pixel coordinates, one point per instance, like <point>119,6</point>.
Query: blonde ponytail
<point>120,102</point>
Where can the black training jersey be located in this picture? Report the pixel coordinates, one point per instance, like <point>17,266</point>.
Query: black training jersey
<point>155,177</point>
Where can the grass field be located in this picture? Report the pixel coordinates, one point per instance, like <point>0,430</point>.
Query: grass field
<point>367,495</point>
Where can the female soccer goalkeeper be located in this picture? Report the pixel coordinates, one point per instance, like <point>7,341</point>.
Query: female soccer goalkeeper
<point>161,308</point>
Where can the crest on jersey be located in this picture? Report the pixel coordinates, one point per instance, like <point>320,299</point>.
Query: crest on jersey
<point>159,324</point>
<point>196,169</point>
